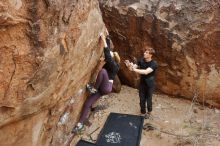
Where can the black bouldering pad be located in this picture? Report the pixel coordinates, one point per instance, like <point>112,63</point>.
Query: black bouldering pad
<point>121,130</point>
<point>85,143</point>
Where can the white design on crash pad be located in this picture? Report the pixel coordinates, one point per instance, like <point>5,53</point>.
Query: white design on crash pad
<point>113,137</point>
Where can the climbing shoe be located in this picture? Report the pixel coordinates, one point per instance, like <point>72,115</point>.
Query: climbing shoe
<point>77,128</point>
<point>90,88</point>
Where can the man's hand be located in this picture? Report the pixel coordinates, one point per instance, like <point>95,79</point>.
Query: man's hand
<point>129,65</point>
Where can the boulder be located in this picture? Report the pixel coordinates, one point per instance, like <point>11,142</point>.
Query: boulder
<point>48,49</point>
<point>185,35</point>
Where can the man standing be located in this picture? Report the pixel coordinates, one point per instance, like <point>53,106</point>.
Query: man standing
<point>146,66</point>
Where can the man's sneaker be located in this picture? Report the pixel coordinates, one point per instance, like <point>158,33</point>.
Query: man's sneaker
<point>148,115</point>
<point>143,111</point>
<point>91,89</point>
<point>77,128</point>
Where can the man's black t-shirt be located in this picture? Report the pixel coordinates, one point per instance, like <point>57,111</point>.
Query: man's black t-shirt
<point>144,65</point>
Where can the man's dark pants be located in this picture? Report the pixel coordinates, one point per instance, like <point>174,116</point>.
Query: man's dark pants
<point>145,94</point>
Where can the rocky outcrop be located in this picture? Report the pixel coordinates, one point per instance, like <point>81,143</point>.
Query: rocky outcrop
<point>48,50</point>
<point>185,35</point>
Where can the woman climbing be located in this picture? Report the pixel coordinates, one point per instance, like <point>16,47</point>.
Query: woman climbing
<point>104,81</point>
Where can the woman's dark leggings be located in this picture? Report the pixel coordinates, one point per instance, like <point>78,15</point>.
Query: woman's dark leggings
<point>104,87</point>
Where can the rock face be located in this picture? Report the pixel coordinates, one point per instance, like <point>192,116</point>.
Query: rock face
<point>186,36</point>
<point>48,50</point>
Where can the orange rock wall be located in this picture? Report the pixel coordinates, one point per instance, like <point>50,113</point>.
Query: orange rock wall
<point>48,50</point>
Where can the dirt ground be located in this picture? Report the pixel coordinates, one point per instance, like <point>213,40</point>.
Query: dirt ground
<point>175,122</point>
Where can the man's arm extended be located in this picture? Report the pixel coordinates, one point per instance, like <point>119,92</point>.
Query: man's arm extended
<point>134,67</point>
<point>130,65</point>
<point>142,71</point>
